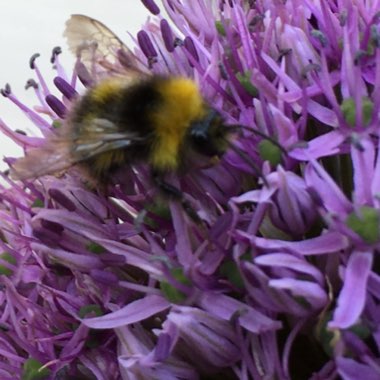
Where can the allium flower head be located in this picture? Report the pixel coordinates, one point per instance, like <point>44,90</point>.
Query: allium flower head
<point>279,280</point>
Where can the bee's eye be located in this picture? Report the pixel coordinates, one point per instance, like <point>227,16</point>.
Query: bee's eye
<point>199,135</point>
<point>200,140</point>
<point>203,139</point>
<point>205,135</point>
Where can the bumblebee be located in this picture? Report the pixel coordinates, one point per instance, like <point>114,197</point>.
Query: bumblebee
<point>127,118</point>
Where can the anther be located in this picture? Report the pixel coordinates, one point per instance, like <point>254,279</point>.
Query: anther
<point>33,59</point>
<point>55,52</point>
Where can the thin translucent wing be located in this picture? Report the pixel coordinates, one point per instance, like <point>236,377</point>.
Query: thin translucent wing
<point>65,150</point>
<point>100,136</point>
<point>51,158</point>
<point>95,43</point>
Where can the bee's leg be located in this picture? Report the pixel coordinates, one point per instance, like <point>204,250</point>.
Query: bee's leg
<point>176,194</point>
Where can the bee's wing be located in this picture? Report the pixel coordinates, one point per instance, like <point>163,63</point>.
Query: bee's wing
<point>95,43</point>
<point>52,157</point>
<point>65,150</point>
<point>100,136</point>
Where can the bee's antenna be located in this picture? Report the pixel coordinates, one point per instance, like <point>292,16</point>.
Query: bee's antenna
<point>248,160</point>
<point>236,127</point>
<point>245,156</point>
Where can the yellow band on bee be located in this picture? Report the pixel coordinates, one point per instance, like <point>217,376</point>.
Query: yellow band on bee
<point>182,104</point>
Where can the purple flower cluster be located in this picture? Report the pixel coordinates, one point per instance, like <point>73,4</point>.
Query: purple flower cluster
<point>281,281</point>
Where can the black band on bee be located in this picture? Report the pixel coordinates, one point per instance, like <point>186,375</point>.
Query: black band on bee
<point>137,103</point>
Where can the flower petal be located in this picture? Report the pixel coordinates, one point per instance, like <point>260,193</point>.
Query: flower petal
<point>352,297</point>
<point>134,312</point>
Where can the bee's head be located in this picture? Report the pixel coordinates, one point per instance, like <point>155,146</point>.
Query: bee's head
<point>209,136</point>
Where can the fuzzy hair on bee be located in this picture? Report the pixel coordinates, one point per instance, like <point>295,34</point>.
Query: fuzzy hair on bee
<point>127,118</point>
